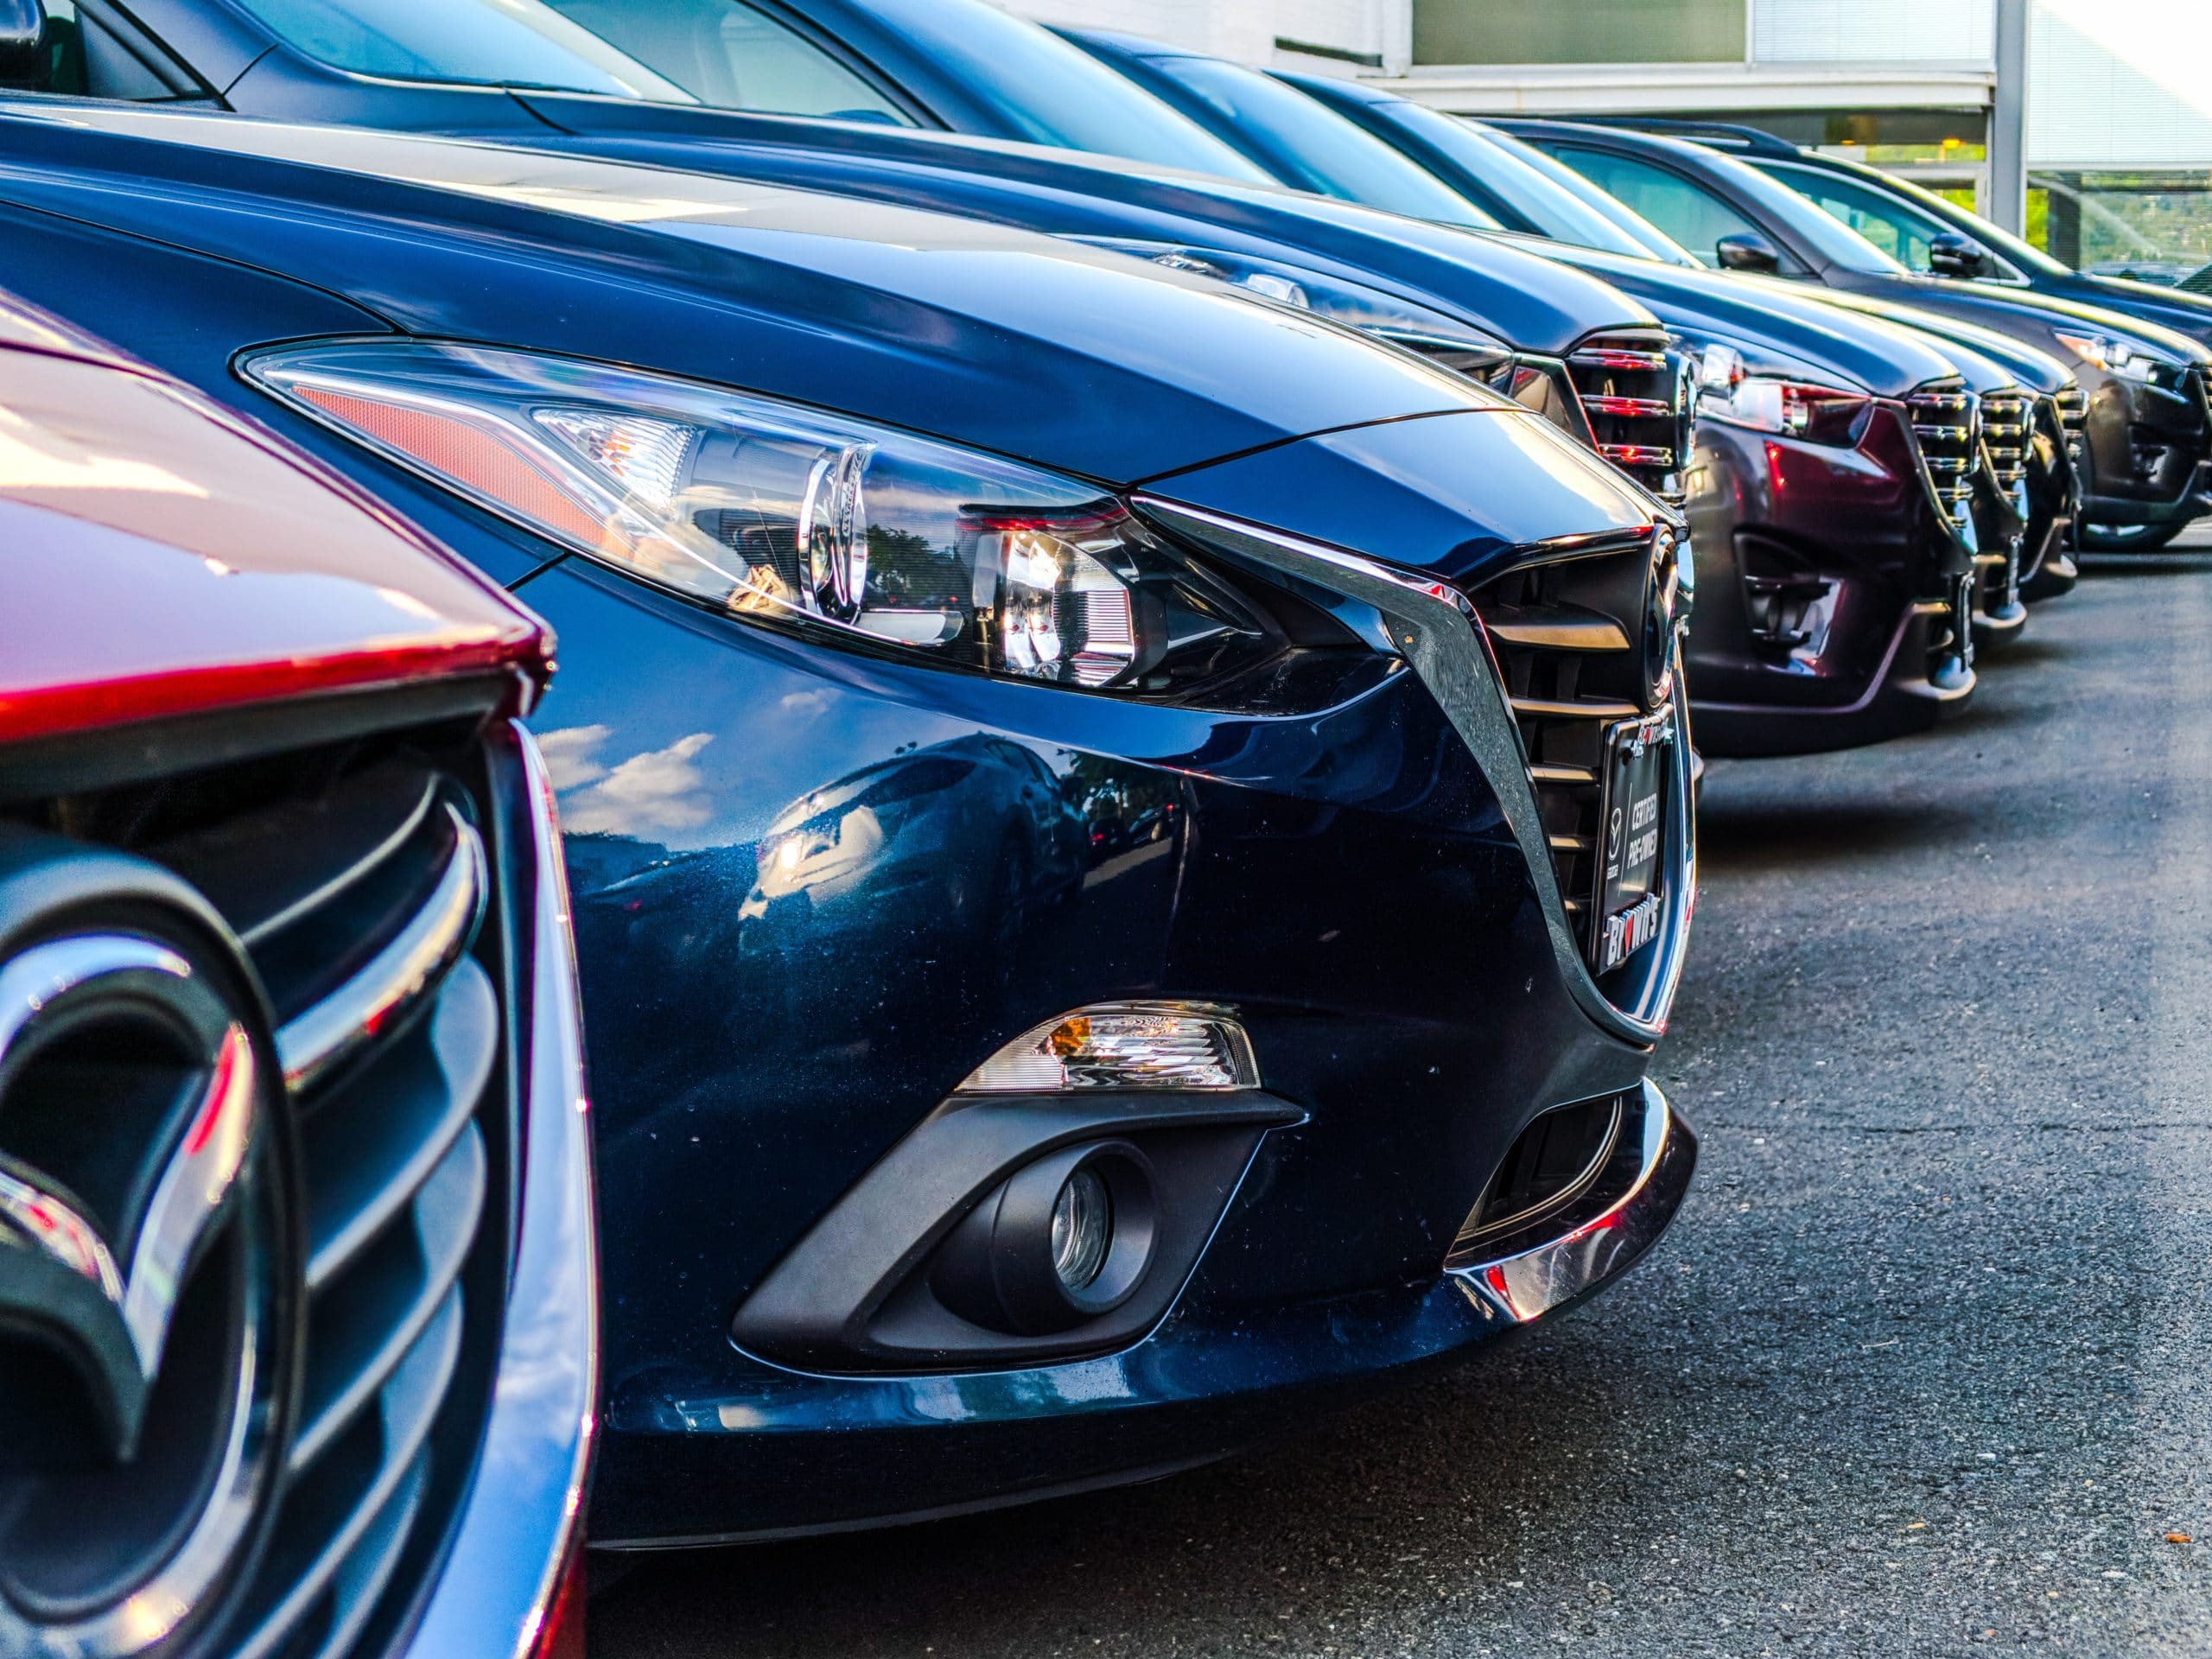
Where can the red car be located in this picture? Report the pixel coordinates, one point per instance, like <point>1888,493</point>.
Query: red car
<point>296,1351</point>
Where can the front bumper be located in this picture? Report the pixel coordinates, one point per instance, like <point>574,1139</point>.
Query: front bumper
<point>1828,586</point>
<point>2148,458</point>
<point>828,1455</point>
<point>1369,886</point>
<point>2113,512</point>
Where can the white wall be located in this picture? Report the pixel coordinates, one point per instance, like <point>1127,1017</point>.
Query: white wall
<point>1873,31</point>
<point>2112,83</point>
<point>2119,83</point>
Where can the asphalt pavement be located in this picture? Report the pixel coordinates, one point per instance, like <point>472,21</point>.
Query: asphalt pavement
<point>1921,1368</point>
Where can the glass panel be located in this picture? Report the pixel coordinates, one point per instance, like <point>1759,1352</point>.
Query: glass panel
<point>1052,93</point>
<point>1565,204</point>
<point>735,57</point>
<point>480,42</point>
<point>1318,148</point>
<point>1895,229</point>
<point>1692,217</point>
<point>1587,31</point>
<point>2153,228</point>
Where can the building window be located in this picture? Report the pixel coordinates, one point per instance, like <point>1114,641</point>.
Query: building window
<point>1579,31</point>
<point>2153,225</point>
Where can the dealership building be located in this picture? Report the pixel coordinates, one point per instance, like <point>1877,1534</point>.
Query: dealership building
<point>2107,104</point>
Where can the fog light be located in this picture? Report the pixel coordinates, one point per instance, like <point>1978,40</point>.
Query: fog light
<point>1124,1045</point>
<point>1066,1239</point>
<point>1082,1226</point>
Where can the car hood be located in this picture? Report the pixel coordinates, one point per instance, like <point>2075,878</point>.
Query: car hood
<point>1778,330</point>
<point>2170,307</point>
<point>1957,337</point>
<point>1516,296</point>
<point>1998,307</point>
<point>1080,360</point>
<point>167,559</point>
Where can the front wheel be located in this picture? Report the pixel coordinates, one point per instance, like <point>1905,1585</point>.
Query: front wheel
<point>2128,539</point>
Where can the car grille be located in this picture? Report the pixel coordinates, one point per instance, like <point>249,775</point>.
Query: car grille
<point>1568,635</point>
<point>2073,420</point>
<point>1944,424</point>
<point>2200,391</point>
<point>2005,435</point>
<point>360,879</point>
<point>1536,383</point>
<point>1635,394</point>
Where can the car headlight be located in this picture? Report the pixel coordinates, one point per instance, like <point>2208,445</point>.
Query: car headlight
<point>2119,357</point>
<point>1407,322</point>
<point>786,515</point>
<point>1799,409</point>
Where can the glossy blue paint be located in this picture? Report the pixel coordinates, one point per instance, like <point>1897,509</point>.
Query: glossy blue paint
<point>972,855</point>
<point>930,58</point>
<point>852,306</point>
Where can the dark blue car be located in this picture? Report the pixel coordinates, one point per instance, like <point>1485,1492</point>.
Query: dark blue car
<point>1130,845</point>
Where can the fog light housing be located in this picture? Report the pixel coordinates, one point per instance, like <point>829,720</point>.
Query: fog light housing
<point>1063,1240</point>
<point>1124,1045</point>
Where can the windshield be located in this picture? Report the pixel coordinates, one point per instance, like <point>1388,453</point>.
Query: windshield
<point>1055,93</point>
<point>732,54</point>
<point>1552,196</point>
<point>1611,208</point>
<point>1312,146</point>
<point>481,42</point>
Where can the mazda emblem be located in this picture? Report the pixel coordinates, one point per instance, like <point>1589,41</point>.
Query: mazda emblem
<point>143,1262</point>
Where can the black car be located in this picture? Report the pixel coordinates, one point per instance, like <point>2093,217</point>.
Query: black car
<point>2147,465</point>
<point>1933,236</point>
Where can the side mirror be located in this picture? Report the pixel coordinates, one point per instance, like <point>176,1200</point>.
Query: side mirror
<point>23,43</point>
<point>1748,251</point>
<point>1954,255</point>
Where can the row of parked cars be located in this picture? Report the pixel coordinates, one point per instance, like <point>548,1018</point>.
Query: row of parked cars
<point>1129,633</point>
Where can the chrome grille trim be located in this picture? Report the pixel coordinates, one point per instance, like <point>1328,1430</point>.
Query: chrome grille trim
<point>1434,627</point>
<point>1635,391</point>
<point>372,1147</point>
<point>2007,417</point>
<point>1565,697</point>
<point>314,1042</point>
<point>365,895</point>
<point>537,1436</point>
<point>406,1412</point>
<point>1947,430</point>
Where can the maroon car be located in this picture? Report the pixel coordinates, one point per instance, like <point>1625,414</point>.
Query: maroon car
<point>296,1352</point>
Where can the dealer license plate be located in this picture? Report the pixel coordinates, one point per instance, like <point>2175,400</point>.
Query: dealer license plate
<point>1631,828</point>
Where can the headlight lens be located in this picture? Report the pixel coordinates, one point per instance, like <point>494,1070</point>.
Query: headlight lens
<point>786,515</point>
<point>1770,404</point>
<point>1370,310</point>
<point>2117,356</point>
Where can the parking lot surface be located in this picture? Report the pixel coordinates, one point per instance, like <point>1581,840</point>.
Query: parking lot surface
<point>1919,1370</point>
